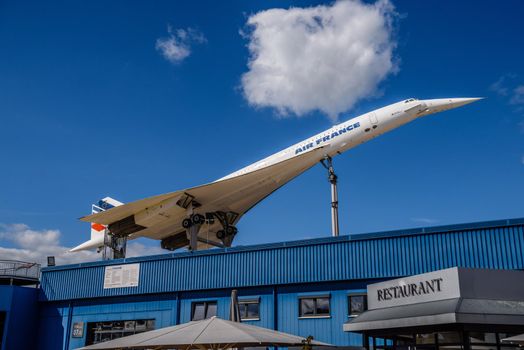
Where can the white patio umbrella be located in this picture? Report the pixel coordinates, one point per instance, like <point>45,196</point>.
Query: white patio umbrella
<point>212,333</point>
<point>517,339</point>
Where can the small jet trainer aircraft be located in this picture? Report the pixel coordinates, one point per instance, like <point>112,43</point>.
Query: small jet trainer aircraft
<point>205,216</point>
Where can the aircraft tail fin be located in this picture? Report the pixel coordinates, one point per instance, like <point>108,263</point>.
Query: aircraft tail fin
<point>104,204</point>
<point>98,230</point>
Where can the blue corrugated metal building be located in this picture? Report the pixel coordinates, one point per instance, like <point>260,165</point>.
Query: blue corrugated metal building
<point>18,307</point>
<point>286,284</point>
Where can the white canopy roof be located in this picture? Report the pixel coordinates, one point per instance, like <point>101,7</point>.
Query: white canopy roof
<point>212,333</point>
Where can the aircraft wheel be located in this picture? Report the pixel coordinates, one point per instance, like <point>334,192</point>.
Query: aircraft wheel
<point>231,230</point>
<point>221,234</point>
<point>198,219</point>
<point>186,223</point>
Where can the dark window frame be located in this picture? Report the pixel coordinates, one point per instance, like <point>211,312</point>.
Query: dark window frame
<point>315,314</point>
<point>350,314</point>
<point>247,302</point>
<point>206,307</point>
<point>99,331</point>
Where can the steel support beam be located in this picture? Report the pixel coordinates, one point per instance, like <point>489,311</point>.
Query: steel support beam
<point>327,162</point>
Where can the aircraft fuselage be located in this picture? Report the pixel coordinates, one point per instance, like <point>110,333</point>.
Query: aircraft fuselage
<point>358,130</point>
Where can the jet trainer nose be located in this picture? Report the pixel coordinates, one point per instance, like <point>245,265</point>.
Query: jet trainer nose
<point>442,104</point>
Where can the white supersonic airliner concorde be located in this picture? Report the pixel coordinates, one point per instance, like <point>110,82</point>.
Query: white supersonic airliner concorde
<point>205,216</point>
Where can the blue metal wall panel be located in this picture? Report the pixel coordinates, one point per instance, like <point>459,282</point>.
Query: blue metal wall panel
<point>55,326</point>
<point>325,329</point>
<point>51,324</point>
<point>223,304</point>
<point>186,309</point>
<point>375,256</point>
<point>162,311</point>
<point>20,306</point>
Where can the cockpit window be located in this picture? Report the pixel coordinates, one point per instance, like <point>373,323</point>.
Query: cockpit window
<point>410,100</point>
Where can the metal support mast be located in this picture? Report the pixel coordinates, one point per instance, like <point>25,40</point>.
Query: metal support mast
<point>327,162</point>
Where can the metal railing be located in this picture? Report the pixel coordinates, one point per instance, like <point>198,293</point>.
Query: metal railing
<point>19,269</point>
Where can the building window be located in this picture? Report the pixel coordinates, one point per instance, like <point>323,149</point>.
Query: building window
<point>425,338</point>
<point>357,304</point>
<point>203,309</point>
<point>249,309</point>
<point>313,306</point>
<point>99,332</point>
<point>480,337</point>
<point>449,338</point>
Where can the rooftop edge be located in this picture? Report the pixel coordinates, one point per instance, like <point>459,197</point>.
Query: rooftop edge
<point>298,243</point>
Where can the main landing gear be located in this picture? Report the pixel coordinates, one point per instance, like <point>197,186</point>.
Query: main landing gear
<point>229,231</point>
<point>114,246</point>
<point>193,223</point>
<point>195,219</point>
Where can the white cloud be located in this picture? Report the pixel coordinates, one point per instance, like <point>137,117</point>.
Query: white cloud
<point>138,249</point>
<point>512,93</point>
<point>499,87</point>
<point>36,245</point>
<point>177,46</point>
<point>506,87</point>
<point>517,96</point>
<point>319,58</point>
<point>521,126</point>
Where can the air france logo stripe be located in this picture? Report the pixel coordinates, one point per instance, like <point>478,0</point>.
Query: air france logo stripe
<point>326,138</point>
<point>97,227</point>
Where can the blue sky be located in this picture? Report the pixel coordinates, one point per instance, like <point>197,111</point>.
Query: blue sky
<point>90,107</point>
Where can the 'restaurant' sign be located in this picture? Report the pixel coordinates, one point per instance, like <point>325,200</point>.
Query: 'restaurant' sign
<point>120,276</point>
<point>430,286</point>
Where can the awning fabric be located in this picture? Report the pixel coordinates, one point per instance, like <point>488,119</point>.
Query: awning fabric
<point>450,311</point>
<point>212,333</point>
<point>518,339</point>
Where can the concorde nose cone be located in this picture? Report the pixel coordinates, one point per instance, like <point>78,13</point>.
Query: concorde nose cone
<point>457,102</point>
<point>442,104</point>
